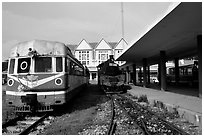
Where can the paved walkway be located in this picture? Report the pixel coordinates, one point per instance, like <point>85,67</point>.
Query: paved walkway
<point>188,106</point>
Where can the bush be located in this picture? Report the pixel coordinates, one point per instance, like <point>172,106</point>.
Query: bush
<point>143,98</point>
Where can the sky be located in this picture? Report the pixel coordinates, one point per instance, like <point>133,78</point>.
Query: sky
<point>70,22</point>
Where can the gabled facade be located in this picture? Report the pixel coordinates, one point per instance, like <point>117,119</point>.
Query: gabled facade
<point>103,51</point>
<point>121,45</point>
<point>83,53</point>
<point>92,54</point>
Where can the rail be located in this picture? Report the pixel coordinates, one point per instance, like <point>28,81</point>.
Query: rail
<point>27,130</point>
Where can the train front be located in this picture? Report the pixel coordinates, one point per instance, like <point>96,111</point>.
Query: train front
<point>36,82</point>
<point>111,78</point>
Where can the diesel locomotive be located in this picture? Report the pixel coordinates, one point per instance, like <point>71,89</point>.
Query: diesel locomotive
<point>110,77</point>
<point>43,75</point>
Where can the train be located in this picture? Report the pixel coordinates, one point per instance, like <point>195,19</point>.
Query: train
<point>188,74</point>
<point>4,71</point>
<point>110,77</point>
<point>43,75</point>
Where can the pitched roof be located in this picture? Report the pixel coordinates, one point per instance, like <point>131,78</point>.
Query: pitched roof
<point>120,42</point>
<point>104,41</point>
<point>112,44</point>
<point>83,45</point>
<point>71,46</point>
<point>93,44</point>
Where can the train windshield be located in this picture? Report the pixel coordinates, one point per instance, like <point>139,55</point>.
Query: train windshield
<point>43,64</point>
<point>24,65</point>
<point>11,66</point>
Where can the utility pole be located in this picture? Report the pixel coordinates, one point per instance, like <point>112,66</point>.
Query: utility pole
<point>122,20</point>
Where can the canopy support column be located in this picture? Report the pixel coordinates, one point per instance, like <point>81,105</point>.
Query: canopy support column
<point>199,44</point>
<point>134,74</point>
<point>163,70</point>
<point>144,72</point>
<point>176,62</point>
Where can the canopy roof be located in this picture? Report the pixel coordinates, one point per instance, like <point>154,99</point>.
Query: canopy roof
<point>176,34</point>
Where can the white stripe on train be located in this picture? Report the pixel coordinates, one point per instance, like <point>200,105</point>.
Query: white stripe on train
<point>38,83</point>
<point>38,93</point>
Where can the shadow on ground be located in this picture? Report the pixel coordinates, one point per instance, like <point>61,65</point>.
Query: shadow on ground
<point>89,97</point>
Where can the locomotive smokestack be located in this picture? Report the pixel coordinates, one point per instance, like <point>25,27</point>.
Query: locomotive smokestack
<point>111,57</point>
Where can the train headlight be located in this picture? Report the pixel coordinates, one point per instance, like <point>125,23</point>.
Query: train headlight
<point>24,65</point>
<point>10,82</point>
<point>58,81</point>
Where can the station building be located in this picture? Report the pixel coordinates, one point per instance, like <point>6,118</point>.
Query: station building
<point>92,54</point>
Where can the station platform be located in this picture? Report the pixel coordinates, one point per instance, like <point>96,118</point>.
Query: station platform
<point>183,100</point>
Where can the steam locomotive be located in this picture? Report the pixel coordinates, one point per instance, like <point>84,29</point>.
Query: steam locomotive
<point>43,75</point>
<point>110,77</point>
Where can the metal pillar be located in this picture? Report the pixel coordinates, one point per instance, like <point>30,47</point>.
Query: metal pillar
<point>140,75</point>
<point>159,73</point>
<point>144,72</point>
<point>163,70</point>
<point>134,74</point>
<point>199,44</point>
<point>148,75</point>
<point>176,62</point>
<point>127,74</point>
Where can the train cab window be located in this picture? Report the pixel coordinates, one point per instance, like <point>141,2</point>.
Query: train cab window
<point>11,67</point>
<point>68,65</point>
<point>59,64</point>
<point>24,65</point>
<point>43,64</point>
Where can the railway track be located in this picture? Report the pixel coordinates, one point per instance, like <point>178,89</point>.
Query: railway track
<point>121,121</point>
<point>151,123</point>
<point>26,124</point>
<point>111,128</point>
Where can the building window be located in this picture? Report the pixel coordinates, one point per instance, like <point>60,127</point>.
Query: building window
<point>83,62</point>
<point>118,52</point>
<point>103,55</point>
<point>79,56</point>
<point>84,57</point>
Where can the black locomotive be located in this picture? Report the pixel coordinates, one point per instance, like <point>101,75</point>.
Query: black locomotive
<point>110,77</point>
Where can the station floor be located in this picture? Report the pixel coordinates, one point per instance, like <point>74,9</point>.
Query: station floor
<point>184,99</point>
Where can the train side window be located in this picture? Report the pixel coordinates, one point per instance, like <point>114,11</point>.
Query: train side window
<point>72,70</point>
<point>11,66</point>
<point>24,65</point>
<point>79,70</point>
<point>76,68</point>
<point>43,64</point>
<point>66,62</point>
<point>59,64</point>
<point>68,65</point>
